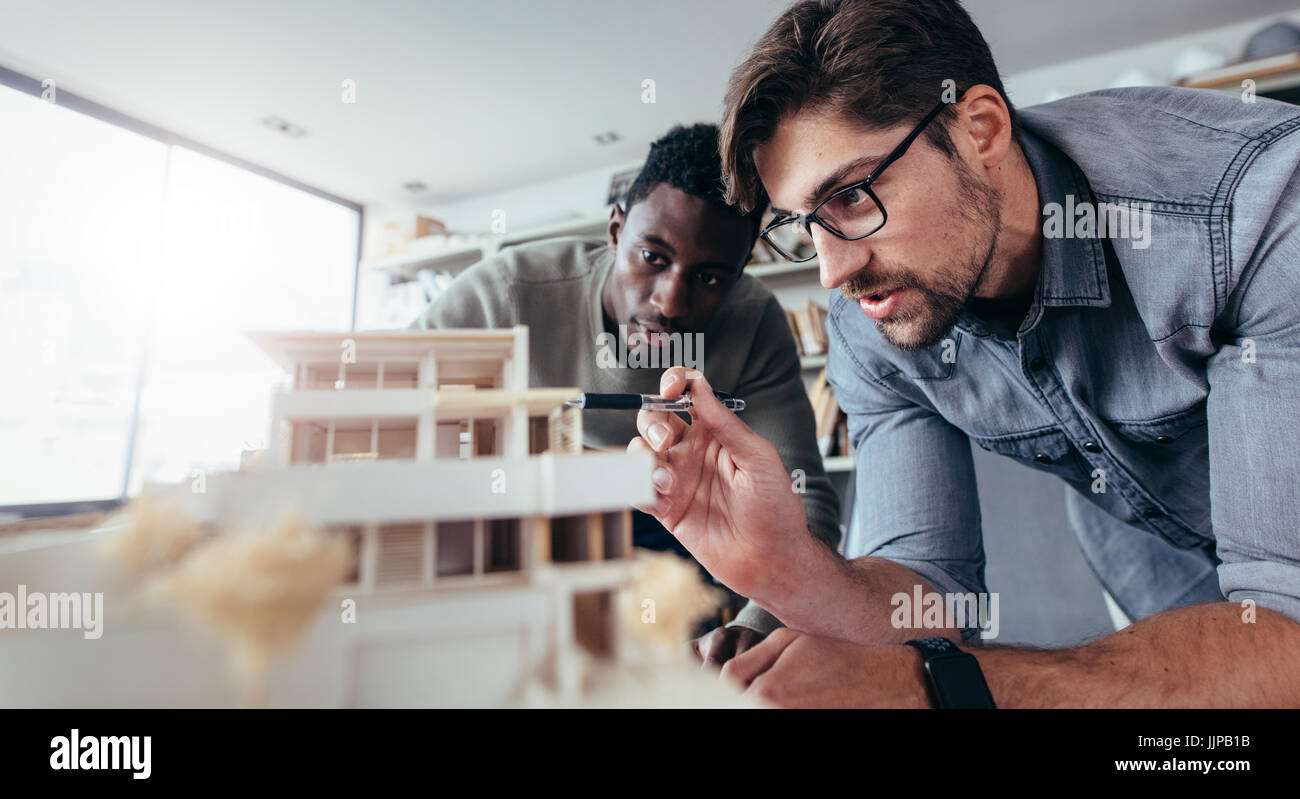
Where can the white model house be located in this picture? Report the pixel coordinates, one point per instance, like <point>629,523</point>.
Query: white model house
<point>487,545</point>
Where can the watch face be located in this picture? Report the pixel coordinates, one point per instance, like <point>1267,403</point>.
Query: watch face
<point>959,682</point>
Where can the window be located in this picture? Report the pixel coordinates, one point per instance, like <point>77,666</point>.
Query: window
<point>353,535</point>
<point>570,539</point>
<point>616,535</point>
<point>253,249</point>
<point>469,374</point>
<point>130,267</point>
<point>593,622</point>
<point>467,438</point>
<point>504,550</point>
<point>353,440</point>
<point>80,209</point>
<point>538,435</point>
<point>401,553</point>
<point>400,374</point>
<point>455,548</point>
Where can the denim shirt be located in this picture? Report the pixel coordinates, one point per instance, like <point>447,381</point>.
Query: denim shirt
<point>1161,383</point>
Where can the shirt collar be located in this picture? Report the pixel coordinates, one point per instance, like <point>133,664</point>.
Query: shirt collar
<point>1073,270</point>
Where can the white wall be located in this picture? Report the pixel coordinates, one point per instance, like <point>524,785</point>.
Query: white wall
<point>584,193</point>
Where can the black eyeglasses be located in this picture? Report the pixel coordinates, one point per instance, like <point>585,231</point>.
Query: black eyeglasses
<point>851,213</point>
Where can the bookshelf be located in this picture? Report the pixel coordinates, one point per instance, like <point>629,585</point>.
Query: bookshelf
<point>1276,76</point>
<point>403,268</point>
<point>407,267</point>
<point>794,284</point>
<point>807,269</point>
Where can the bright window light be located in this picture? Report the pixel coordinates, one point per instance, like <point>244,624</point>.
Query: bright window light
<point>129,271</point>
<point>80,214</point>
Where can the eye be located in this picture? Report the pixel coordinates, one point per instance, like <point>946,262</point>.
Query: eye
<point>709,279</point>
<point>853,197</point>
<point>653,258</point>
<point>854,203</point>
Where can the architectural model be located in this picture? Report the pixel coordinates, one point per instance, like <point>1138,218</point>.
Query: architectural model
<point>423,530</point>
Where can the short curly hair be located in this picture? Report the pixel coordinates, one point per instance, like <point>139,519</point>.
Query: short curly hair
<point>687,159</point>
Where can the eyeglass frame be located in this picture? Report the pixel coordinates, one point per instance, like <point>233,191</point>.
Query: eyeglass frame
<point>864,184</point>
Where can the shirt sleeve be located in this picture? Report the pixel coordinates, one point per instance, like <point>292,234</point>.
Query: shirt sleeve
<point>1254,401</point>
<point>916,502</point>
<point>777,408</point>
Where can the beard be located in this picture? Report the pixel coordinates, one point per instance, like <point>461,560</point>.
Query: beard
<point>939,304</point>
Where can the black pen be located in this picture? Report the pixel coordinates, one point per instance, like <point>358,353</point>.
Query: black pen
<point>590,401</point>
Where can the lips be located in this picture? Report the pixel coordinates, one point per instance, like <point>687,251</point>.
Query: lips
<point>882,304</point>
<point>640,327</point>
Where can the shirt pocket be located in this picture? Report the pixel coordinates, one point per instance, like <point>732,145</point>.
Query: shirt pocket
<point>1045,450</point>
<point>1182,430</point>
<point>1170,457</point>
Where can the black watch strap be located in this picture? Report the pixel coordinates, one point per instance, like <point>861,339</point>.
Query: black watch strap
<point>954,676</point>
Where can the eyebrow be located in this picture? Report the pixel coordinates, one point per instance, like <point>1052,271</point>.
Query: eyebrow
<point>867,162</point>
<point>651,238</point>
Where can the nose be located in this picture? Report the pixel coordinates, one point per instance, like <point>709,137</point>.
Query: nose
<point>838,259</point>
<point>670,298</point>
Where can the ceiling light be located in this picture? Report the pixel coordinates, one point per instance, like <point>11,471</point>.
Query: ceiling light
<point>282,126</point>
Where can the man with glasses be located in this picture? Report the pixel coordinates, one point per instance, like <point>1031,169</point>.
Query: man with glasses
<point>671,263</point>
<point>1143,346</point>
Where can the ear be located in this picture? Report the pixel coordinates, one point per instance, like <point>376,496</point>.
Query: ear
<point>984,124</point>
<point>617,217</point>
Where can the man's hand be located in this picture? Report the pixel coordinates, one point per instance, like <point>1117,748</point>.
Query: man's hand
<point>792,669</point>
<point>722,490</point>
<point>718,646</point>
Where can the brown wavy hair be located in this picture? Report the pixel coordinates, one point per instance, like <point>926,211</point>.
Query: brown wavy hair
<point>882,62</point>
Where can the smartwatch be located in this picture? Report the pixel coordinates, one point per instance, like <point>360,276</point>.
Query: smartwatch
<point>954,676</point>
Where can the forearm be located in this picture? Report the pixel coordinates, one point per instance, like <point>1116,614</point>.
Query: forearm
<point>1199,656</point>
<point>850,600</point>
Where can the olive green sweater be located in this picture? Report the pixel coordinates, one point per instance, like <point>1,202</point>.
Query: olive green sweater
<point>554,287</point>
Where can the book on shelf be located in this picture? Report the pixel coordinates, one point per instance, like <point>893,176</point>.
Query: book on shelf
<point>830,423</point>
<point>808,324</point>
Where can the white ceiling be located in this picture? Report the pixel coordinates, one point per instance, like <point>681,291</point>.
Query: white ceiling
<point>470,97</point>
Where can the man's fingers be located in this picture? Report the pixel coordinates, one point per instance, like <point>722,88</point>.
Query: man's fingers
<point>660,476</point>
<point>693,646</point>
<point>660,428</point>
<point>722,647</point>
<point>675,380</point>
<point>722,423</point>
<point>746,639</point>
<point>748,665</point>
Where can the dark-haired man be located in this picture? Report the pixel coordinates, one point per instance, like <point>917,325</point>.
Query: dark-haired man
<point>672,264</point>
<point>1103,288</point>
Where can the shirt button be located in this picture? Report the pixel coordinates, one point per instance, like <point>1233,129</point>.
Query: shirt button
<point>1164,439</point>
<point>1042,457</point>
<point>1037,364</point>
<point>1153,513</point>
<point>1091,446</point>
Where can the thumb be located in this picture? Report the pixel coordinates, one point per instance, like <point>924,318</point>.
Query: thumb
<point>722,422</point>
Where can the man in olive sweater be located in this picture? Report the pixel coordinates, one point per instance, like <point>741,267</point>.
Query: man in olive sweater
<point>672,264</point>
